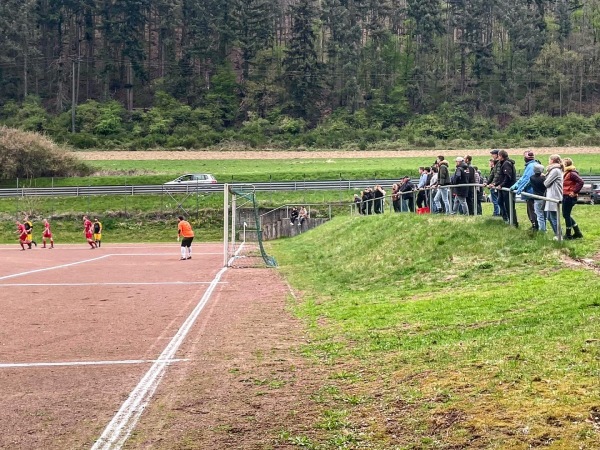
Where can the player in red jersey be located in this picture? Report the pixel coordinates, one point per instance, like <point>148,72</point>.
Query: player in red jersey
<point>22,232</point>
<point>47,234</point>
<point>87,230</point>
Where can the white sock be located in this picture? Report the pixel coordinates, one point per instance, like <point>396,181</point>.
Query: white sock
<point>189,251</point>
<point>183,252</point>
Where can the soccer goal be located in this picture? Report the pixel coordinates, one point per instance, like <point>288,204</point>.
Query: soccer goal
<point>242,233</point>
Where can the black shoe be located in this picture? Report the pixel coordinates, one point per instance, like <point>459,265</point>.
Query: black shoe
<point>189,257</point>
<point>34,243</point>
<point>577,232</point>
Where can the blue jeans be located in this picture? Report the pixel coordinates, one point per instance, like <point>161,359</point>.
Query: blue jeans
<point>442,194</point>
<point>553,218</point>
<point>494,197</point>
<point>538,207</point>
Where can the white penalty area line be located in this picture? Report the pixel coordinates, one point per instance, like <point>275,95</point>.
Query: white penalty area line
<point>157,283</point>
<point>120,427</point>
<point>87,363</point>
<point>6,277</point>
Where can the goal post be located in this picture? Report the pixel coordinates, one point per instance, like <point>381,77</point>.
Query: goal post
<point>242,231</point>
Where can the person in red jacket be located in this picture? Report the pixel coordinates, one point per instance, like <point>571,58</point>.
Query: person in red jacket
<point>572,184</point>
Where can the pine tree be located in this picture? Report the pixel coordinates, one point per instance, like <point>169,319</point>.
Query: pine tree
<point>303,73</point>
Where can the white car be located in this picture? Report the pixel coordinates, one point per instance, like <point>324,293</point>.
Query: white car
<point>194,178</point>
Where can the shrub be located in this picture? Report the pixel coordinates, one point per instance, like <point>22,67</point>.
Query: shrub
<point>31,155</point>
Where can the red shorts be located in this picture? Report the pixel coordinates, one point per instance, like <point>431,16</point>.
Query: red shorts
<point>47,235</point>
<point>88,235</point>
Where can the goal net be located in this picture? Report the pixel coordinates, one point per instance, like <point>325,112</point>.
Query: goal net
<point>242,235</point>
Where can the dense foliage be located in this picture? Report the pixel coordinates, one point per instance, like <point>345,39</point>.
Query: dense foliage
<point>190,73</point>
<point>30,155</point>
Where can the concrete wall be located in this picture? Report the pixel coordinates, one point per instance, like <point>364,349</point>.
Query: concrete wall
<point>275,224</point>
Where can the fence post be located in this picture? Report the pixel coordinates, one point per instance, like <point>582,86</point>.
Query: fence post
<point>558,225</point>
<point>474,200</point>
<point>511,203</point>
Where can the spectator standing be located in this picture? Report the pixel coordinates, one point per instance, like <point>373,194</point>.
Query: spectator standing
<point>572,184</point>
<point>367,202</point>
<point>554,190</point>
<point>357,204</point>
<point>522,185</point>
<point>470,172</point>
<point>378,195</point>
<point>460,177</point>
<point>443,189</point>
<point>508,176</point>
<point>396,198</point>
<point>536,183</point>
<point>495,165</point>
<point>432,186</point>
<point>407,199</point>
<point>421,186</point>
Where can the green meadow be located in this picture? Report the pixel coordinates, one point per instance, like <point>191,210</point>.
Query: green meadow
<point>139,172</point>
<point>448,332</point>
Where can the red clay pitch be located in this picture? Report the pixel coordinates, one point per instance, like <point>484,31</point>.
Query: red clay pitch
<point>72,305</point>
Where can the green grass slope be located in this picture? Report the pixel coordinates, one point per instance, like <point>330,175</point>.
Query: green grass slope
<point>448,332</point>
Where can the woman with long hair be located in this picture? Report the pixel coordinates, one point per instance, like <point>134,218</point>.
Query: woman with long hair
<point>554,190</point>
<point>572,184</point>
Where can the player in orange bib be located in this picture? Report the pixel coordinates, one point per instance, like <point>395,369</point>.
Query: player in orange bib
<point>185,232</point>
<point>47,234</point>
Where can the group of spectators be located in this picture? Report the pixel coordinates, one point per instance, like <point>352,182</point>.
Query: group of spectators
<point>460,190</point>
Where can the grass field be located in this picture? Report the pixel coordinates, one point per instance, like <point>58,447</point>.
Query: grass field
<point>442,333</point>
<point>122,172</point>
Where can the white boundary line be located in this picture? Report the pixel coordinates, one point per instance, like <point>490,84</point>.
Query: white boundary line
<point>6,277</point>
<point>119,428</point>
<point>158,283</point>
<point>86,363</point>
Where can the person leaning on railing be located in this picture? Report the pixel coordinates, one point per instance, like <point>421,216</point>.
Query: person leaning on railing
<point>508,176</point>
<point>572,184</point>
<point>492,180</point>
<point>554,190</point>
<point>443,190</point>
<point>536,183</point>
<point>459,178</point>
<point>406,188</point>
<point>520,186</point>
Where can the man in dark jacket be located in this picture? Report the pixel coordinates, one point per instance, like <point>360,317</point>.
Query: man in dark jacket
<point>470,172</point>
<point>440,201</point>
<point>407,187</point>
<point>508,177</point>
<point>367,202</point>
<point>460,177</point>
<point>493,180</point>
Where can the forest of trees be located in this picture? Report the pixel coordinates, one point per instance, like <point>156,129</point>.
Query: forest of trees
<point>194,73</point>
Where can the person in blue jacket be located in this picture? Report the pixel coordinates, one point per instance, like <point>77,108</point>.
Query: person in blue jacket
<point>522,185</point>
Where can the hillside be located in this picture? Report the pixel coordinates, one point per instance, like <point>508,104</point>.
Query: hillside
<point>449,332</point>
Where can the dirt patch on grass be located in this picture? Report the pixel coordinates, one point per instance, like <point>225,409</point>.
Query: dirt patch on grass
<point>330,154</point>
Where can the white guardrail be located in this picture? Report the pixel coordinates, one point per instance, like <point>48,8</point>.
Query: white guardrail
<point>77,191</point>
